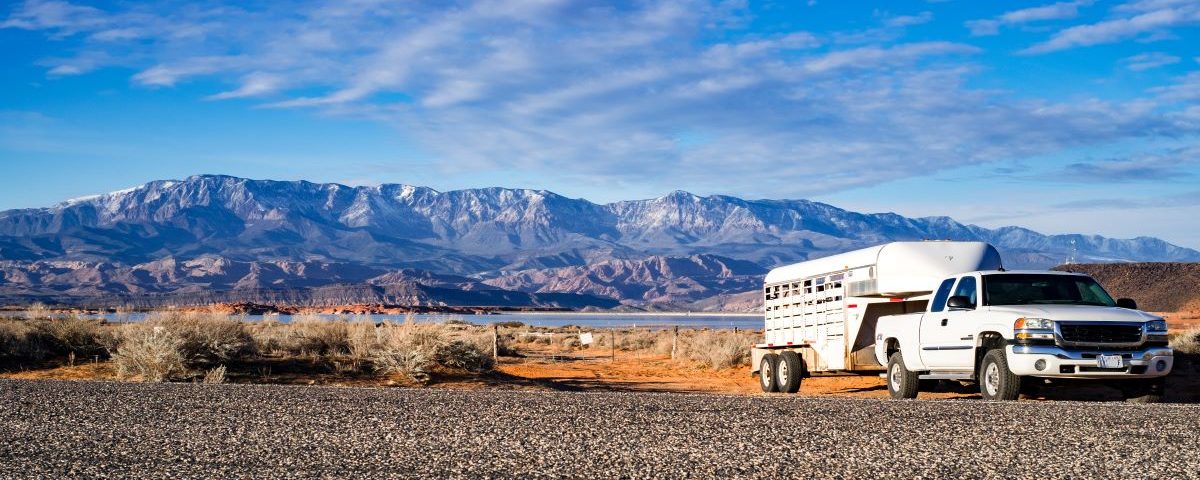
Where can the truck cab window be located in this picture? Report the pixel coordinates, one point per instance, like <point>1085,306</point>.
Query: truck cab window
<point>943,293</point>
<point>966,288</point>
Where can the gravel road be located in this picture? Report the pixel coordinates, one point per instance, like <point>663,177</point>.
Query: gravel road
<point>95,429</point>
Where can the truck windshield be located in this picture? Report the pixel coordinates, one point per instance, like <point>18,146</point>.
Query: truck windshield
<point>1026,289</point>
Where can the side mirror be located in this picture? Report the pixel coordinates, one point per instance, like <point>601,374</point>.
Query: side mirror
<point>1127,303</point>
<point>960,302</point>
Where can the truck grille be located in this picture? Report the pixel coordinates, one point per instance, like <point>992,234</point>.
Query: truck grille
<point>1089,333</point>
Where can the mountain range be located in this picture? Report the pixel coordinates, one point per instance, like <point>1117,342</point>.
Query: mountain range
<point>212,237</point>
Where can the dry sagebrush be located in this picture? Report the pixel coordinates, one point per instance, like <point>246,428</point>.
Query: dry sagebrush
<point>45,337</point>
<point>1187,342</point>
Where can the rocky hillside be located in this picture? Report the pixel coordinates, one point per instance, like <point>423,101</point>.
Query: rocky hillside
<point>654,280</point>
<point>1157,286</point>
<point>213,279</point>
<point>218,233</point>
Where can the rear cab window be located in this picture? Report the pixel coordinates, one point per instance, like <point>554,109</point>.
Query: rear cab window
<point>943,293</point>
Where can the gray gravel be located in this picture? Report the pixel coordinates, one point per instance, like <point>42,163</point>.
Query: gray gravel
<point>96,429</point>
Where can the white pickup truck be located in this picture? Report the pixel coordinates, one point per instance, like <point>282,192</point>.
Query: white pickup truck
<point>1009,329</point>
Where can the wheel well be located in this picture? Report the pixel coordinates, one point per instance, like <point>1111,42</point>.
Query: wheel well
<point>892,346</point>
<point>987,342</point>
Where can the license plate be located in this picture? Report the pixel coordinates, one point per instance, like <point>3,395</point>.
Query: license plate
<point>1110,361</point>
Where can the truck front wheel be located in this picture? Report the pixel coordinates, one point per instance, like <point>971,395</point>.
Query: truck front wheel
<point>901,382</point>
<point>996,381</point>
<point>766,373</point>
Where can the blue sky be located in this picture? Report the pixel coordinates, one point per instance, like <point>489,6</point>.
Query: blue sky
<point>1074,116</point>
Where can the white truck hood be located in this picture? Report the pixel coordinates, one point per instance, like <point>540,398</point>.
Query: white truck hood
<point>1075,312</point>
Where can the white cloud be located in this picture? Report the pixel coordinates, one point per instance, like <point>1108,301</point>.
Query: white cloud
<point>1056,11</point>
<point>253,85</point>
<point>874,57</point>
<point>57,15</point>
<point>1184,89</point>
<point>602,93</point>
<point>167,75</point>
<point>909,20</point>
<point>1149,60</point>
<point>1151,19</point>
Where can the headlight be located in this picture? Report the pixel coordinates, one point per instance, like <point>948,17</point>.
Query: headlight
<point>1156,326</point>
<point>1033,324</point>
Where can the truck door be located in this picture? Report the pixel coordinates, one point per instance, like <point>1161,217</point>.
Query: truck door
<point>947,335</point>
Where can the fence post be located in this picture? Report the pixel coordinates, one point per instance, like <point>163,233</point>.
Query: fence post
<point>612,338</point>
<point>495,342</point>
<point>674,342</point>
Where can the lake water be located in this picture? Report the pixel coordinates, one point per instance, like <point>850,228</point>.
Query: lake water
<point>592,320</point>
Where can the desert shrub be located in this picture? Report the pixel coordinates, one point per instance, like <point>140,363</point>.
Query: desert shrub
<point>312,335</point>
<point>644,340</point>
<point>409,350</point>
<point>1187,342</point>
<point>571,341</point>
<point>417,351</point>
<point>80,336</point>
<point>207,338</point>
<point>215,375</point>
<point>465,356</point>
<point>154,352</point>
<point>37,311</point>
<point>715,349</point>
<point>19,341</point>
<point>510,324</point>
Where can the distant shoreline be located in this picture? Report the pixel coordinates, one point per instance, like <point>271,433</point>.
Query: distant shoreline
<point>641,314</point>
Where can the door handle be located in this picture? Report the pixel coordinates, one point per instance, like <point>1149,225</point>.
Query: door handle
<point>944,321</point>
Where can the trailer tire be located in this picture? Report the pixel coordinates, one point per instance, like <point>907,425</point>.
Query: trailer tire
<point>1143,391</point>
<point>996,380</point>
<point>901,382</point>
<point>789,372</point>
<point>766,373</point>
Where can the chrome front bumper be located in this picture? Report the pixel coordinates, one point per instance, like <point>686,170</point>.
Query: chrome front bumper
<point>1061,363</point>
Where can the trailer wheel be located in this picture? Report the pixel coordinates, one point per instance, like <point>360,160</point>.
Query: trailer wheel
<point>1143,391</point>
<point>766,373</point>
<point>789,372</point>
<point>901,382</point>
<point>996,381</point>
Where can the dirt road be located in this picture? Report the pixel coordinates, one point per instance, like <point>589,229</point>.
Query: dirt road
<point>126,430</point>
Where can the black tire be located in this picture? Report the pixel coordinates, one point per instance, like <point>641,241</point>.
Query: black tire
<point>1143,391</point>
<point>766,373</point>
<point>996,380</point>
<point>901,382</point>
<point>789,372</point>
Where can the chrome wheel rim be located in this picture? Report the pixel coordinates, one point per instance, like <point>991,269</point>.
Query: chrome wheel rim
<point>991,379</point>
<point>781,374</point>
<point>894,377</point>
<point>764,372</point>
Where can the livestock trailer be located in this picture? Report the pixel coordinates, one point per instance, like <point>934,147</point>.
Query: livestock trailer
<point>824,311</point>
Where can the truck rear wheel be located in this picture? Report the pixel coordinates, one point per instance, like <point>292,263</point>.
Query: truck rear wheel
<point>996,381</point>
<point>766,373</point>
<point>789,372</point>
<point>901,382</point>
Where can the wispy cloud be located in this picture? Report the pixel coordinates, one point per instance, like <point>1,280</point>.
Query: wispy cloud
<point>1055,11</point>
<point>1166,167</point>
<point>1135,19</point>
<point>657,93</point>
<point>1149,60</point>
